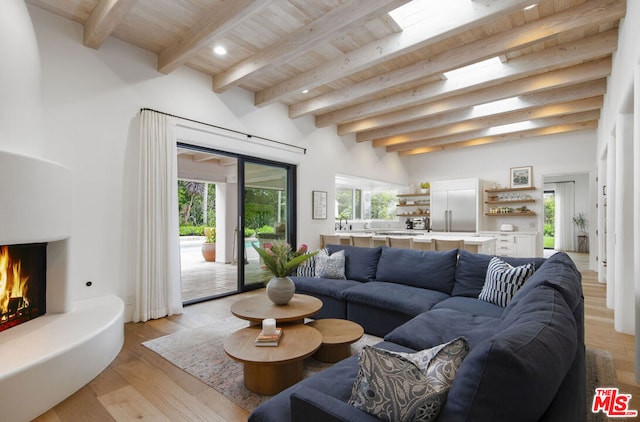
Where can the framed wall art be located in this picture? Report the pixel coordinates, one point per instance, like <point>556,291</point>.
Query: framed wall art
<point>521,177</point>
<point>319,205</point>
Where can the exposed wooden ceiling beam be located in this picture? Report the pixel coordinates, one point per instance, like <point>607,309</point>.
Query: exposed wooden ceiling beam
<point>562,119</point>
<point>555,79</point>
<point>513,136</point>
<point>513,115</point>
<point>106,17</point>
<point>546,60</point>
<point>318,31</point>
<point>206,31</point>
<point>469,14</point>
<point>520,37</point>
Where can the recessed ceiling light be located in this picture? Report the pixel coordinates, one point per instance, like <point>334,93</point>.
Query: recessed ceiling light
<point>220,50</point>
<point>530,7</point>
<point>305,91</point>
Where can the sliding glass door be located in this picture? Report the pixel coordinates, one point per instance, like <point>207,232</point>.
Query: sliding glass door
<point>267,213</point>
<point>227,204</point>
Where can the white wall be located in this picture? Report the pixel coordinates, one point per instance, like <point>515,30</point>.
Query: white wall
<point>618,134</point>
<point>91,100</point>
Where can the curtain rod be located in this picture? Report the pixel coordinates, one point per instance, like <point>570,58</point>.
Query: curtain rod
<point>248,135</point>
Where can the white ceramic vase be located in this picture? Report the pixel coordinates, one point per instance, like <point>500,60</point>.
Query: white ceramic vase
<point>280,290</point>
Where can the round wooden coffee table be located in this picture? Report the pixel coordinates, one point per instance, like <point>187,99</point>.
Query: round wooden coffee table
<point>257,308</point>
<point>337,336</point>
<point>269,370</point>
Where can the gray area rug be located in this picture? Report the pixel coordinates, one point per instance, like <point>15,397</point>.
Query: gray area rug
<point>199,352</point>
<point>601,372</point>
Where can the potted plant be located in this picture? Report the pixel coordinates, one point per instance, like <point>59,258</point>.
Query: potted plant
<point>281,261</point>
<point>425,187</point>
<point>580,220</point>
<point>209,246</point>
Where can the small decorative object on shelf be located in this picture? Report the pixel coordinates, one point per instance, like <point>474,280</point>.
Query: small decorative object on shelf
<point>425,187</point>
<point>509,196</point>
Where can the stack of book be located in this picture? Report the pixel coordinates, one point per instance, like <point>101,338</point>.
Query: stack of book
<point>269,339</point>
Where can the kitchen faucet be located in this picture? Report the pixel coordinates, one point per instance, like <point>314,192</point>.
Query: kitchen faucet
<point>346,223</point>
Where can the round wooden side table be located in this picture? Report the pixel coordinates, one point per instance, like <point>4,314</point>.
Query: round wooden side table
<point>270,369</point>
<point>337,336</point>
<point>255,309</point>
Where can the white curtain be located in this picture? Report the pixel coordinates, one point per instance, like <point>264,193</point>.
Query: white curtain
<point>158,291</point>
<point>564,230</point>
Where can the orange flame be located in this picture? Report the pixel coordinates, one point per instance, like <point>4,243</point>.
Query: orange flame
<point>12,282</point>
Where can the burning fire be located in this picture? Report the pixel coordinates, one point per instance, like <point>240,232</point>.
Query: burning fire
<point>13,285</point>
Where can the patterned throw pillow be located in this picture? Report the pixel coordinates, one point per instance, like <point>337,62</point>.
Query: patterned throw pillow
<point>503,281</point>
<point>397,386</point>
<point>308,267</point>
<point>330,266</point>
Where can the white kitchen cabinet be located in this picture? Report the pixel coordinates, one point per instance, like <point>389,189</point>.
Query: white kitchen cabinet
<point>516,244</point>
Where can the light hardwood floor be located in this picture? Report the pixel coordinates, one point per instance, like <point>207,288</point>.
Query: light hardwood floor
<point>141,385</point>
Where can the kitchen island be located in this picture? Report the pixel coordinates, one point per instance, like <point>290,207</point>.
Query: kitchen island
<point>422,239</point>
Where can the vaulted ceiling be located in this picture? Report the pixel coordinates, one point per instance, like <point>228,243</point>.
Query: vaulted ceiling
<point>454,74</point>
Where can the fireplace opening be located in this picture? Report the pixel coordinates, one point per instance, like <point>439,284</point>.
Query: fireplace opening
<point>23,270</point>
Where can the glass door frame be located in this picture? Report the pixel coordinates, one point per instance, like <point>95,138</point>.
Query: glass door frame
<point>291,215</point>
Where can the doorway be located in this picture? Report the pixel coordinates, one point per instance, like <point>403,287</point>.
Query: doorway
<point>566,214</point>
<point>228,203</point>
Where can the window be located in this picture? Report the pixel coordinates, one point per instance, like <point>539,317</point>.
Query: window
<point>365,199</point>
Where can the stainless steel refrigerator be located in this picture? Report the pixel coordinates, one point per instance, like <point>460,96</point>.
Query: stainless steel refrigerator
<point>454,207</point>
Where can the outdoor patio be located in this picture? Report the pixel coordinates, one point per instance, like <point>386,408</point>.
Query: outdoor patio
<point>206,279</point>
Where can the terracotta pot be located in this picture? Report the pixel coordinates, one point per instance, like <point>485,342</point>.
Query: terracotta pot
<point>209,252</point>
<point>280,290</point>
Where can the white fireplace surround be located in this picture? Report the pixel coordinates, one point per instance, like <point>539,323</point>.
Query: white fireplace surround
<point>45,360</point>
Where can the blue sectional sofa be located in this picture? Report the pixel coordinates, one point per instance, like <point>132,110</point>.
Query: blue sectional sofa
<point>526,360</point>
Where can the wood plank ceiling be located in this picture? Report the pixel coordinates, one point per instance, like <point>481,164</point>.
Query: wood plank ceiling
<point>403,85</point>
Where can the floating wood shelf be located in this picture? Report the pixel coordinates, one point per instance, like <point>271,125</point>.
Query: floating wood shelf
<point>511,214</point>
<point>412,215</point>
<point>517,201</point>
<point>409,195</point>
<point>508,190</point>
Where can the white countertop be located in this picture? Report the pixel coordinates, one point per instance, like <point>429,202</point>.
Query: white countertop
<point>420,235</point>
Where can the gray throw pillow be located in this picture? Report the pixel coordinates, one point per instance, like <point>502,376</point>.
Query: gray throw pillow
<point>330,266</point>
<point>396,386</point>
<point>503,281</point>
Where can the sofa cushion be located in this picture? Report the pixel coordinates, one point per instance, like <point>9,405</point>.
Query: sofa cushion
<point>406,300</point>
<point>472,270</point>
<point>360,263</point>
<point>518,371</point>
<point>441,325</point>
<point>330,266</point>
<point>471,306</point>
<point>503,281</point>
<point>558,272</point>
<point>406,386</point>
<point>433,270</point>
<point>323,286</point>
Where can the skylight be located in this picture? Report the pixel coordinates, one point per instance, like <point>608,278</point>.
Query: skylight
<point>426,11</point>
<point>474,68</point>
